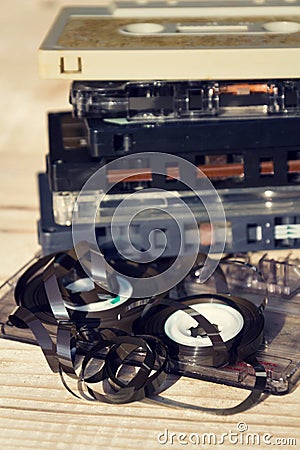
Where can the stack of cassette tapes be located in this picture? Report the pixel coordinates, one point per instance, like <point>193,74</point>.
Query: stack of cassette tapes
<point>182,142</point>
<point>214,85</point>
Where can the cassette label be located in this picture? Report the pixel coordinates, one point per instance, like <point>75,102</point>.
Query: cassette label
<point>172,43</point>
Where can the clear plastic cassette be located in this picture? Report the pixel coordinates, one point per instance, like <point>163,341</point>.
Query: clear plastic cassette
<point>281,276</point>
<point>256,220</point>
<point>157,100</point>
<point>279,352</point>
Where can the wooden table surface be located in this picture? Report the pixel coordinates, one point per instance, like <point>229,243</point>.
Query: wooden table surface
<point>35,409</point>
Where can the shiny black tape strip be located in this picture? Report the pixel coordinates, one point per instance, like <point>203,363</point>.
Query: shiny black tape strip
<point>49,306</point>
<point>143,384</point>
<point>204,265</point>
<point>66,347</point>
<point>69,265</point>
<point>30,292</point>
<point>156,379</point>
<point>43,283</point>
<point>22,316</point>
<point>65,327</point>
<point>31,272</point>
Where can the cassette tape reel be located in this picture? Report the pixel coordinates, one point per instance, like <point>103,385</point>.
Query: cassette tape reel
<point>57,284</point>
<point>132,344</point>
<point>206,329</point>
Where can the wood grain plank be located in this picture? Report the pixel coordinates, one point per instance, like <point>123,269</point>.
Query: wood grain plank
<point>36,411</point>
<point>38,393</point>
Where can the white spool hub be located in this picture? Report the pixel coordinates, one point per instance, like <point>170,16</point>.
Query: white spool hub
<point>106,301</point>
<point>228,320</point>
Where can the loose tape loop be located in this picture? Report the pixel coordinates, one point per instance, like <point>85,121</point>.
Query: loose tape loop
<point>132,361</point>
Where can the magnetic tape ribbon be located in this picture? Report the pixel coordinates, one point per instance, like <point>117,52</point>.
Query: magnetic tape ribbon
<point>219,348</point>
<point>152,371</point>
<point>82,298</point>
<point>44,273</point>
<point>22,315</point>
<point>144,384</point>
<point>61,358</point>
<point>244,344</point>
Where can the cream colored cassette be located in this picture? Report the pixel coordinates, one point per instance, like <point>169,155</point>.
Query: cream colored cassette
<point>234,40</point>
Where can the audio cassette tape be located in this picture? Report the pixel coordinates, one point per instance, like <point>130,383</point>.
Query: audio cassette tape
<point>255,220</point>
<point>259,194</point>
<point>152,101</point>
<point>189,41</point>
<point>281,320</point>
<point>232,154</point>
<point>243,336</point>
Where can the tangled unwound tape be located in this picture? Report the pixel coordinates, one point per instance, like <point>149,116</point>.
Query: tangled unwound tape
<point>117,347</point>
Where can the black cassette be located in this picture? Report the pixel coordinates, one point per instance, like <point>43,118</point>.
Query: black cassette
<point>232,153</point>
<point>243,136</point>
<point>161,100</point>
